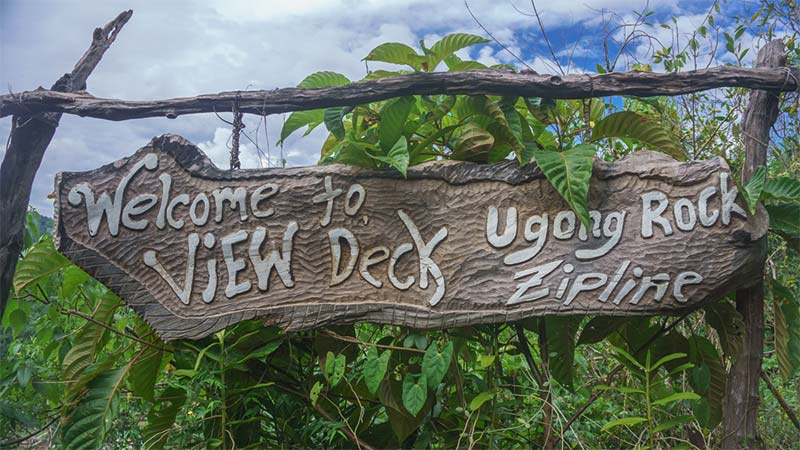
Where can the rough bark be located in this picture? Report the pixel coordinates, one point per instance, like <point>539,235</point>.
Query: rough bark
<point>739,429</point>
<point>478,283</point>
<point>31,133</point>
<point>494,82</point>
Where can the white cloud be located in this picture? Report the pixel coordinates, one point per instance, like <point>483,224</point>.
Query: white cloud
<point>181,48</point>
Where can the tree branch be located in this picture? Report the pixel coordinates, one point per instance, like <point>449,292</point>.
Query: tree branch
<point>477,82</point>
<point>30,136</point>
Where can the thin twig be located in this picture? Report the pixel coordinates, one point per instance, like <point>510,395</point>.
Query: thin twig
<point>786,408</point>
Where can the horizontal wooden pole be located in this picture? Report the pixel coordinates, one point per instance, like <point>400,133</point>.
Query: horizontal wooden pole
<point>489,82</point>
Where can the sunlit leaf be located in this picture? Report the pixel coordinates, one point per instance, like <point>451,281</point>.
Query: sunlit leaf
<point>435,363</point>
<point>648,131</point>
<point>323,79</point>
<point>396,53</point>
<point>415,392</point>
<point>569,172</point>
<point>375,368</point>
<point>39,262</point>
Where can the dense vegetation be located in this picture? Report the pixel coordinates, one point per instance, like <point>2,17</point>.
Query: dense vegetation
<point>80,365</point>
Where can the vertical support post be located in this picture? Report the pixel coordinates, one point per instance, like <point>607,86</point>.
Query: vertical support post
<point>740,412</point>
<point>30,136</point>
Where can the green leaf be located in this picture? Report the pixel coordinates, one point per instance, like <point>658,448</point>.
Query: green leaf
<point>702,351</point>
<point>473,144</point>
<point>785,189</point>
<point>334,368</point>
<point>39,262</point>
<point>561,333</point>
<point>650,132</point>
<point>393,121</point>
<point>784,217</point>
<point>450,44</point>
<point>161,418</point>
<point>396,53</point>
<point>398,156</point>
<point>752,191</point>
<point>480,399</point>
<point>700,379</point>
<point>628,357</point>
<point>415,392</point>
<point>375,368</point>
<point>436,363</point>
<point>673,422</point>
<point>16,320</point>
<point>145,369</point>
<point>676,397</point>
<point>601,327</point>
<point>666,359</point>
<point>315,391</point>
<point>88,423</point>
<point>299,119</point>
<point>569,172</point>
<point>627,421</point>
<point>88,339</point>
<point>456,64</point>
<point>333,121</point>
<point>323,79</point>
<point>728,323</point>
<point>787,329</point>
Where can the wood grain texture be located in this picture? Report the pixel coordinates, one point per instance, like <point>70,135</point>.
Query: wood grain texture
<point>455,196</point>
<point>491,82</point>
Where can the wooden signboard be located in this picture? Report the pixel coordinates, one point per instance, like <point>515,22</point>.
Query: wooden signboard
<point>193,248</point>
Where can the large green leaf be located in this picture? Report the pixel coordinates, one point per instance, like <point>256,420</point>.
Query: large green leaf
<point>299,119</point>
<point>146,368</point>
<point>393,121</point>
<point>784,217</point>
<point>334,368</point>
<point>754,187</point>
<point>600,327</point>
<point>396,53</point>
<point>161,418</point>
<point>560,332</point>
<point>39,262</point>
<point>333,121</point>
<point>375,368</point>
<point>626,421</point>
<point>435,363</point>
<point>786,310</point>
<point>89,338</point>
<point>415,392</point>
<point>728,323</point>
<point>569,172</point>
<point>88,423</point>
<point>473,144</point>
<point>323,79</point>
<point>703,352</point>
<point>785,189</point>
<point>397,157</point>
<point>648,131</point>
<point>450,44</point>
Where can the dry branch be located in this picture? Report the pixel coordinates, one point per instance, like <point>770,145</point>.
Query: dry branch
<point>30,136</point>
<point>492,82</point>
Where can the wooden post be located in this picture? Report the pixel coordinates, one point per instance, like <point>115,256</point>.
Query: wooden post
<point>30,136</point>
<point>741,399</point>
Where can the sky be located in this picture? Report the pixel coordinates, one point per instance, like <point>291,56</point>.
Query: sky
<point>177,48</point>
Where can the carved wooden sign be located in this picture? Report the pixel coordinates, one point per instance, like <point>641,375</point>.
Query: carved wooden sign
<point>193,248</point>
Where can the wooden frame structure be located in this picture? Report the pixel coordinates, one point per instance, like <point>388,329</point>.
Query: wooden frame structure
<point>36,115</point>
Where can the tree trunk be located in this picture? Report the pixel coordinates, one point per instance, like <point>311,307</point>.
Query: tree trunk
<point>741,399</point>
<point>30,136</point>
